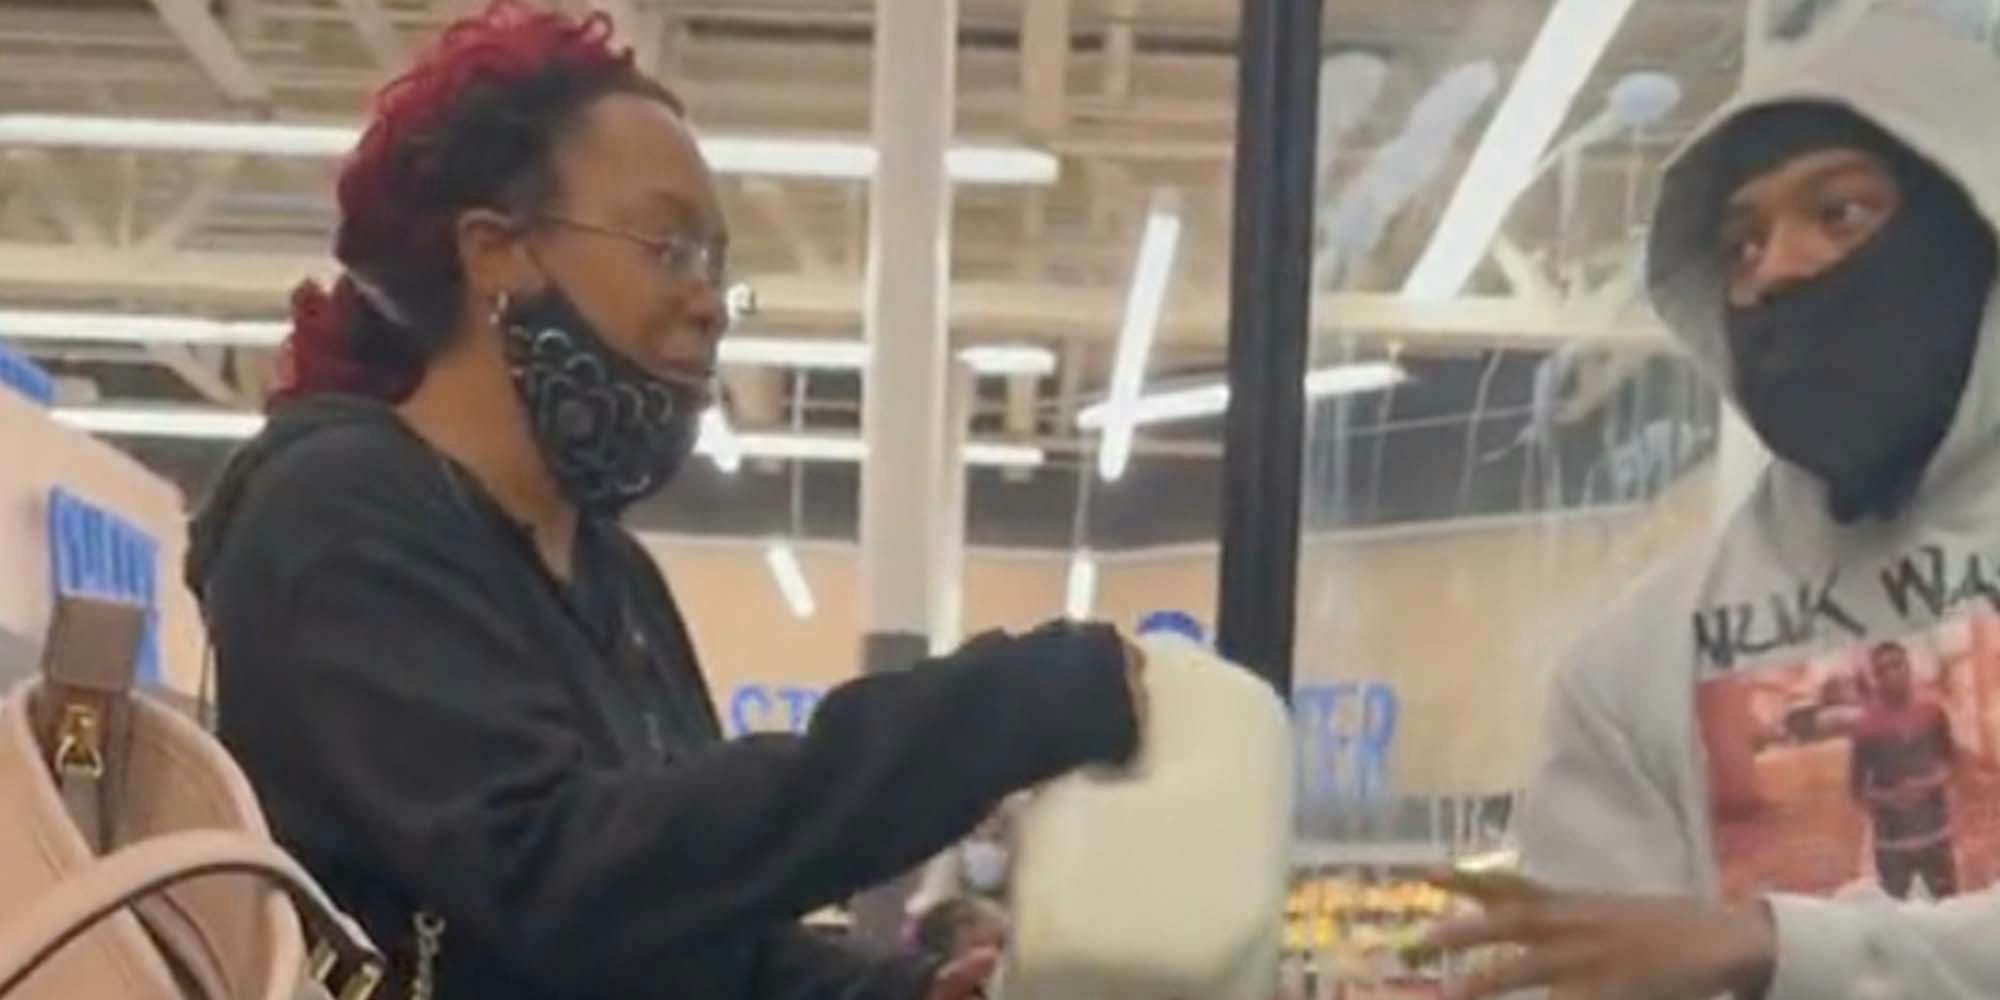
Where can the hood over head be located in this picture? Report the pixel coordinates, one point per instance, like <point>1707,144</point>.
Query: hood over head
<point>1893,83</point>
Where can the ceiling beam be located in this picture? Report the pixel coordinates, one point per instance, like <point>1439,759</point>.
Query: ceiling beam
<point>201,368</point>
<point>380,37</point>
<point>1045,28</point>
<point>239,280</point>
<point>1523,272</point>
<point>37,168</point>
<point>1031,254</point>
<point>211,182</point>
<point>637,25</point>
<point>244,17</point>
<point>204,38</point>
<point>984,309</point>
<point>1121,49</point>
<point>771,202</point>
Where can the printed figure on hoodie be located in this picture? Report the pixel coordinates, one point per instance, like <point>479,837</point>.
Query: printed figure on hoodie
<point>462,690</point>
<point>1825,247</point>
<point>1901,772</point>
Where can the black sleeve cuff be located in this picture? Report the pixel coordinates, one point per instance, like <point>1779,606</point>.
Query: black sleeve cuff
<point>1076,702</point>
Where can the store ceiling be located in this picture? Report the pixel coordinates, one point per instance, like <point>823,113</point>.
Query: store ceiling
<point>1145,101</point>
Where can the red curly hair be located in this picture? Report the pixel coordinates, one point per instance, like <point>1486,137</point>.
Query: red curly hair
<point>470,125</point>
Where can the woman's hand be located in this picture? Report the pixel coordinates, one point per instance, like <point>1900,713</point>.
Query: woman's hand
<point>1601,946</point>
<point>964,978</point>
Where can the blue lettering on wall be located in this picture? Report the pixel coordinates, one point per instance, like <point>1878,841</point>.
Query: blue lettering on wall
<point>764,708</point>
<point>97,553</point>
<point>799,705</point>
<point>1344,732</point>
<point>26,378</point>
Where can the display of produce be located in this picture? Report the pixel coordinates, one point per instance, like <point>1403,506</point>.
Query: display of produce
<point>1342,913</point>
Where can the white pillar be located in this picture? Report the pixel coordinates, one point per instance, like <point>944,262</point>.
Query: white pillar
<point>948,576</point>
<point>904,533</point>
<point>912,509</point>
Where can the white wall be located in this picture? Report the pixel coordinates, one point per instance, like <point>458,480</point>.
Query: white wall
<point>42,455</point>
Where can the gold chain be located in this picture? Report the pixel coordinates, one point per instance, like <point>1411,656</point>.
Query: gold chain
<point>430,944</point>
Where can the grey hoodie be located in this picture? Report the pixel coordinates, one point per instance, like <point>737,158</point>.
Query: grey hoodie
<point>1692,746</point>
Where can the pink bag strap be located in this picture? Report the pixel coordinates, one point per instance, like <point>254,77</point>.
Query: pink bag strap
<point>38,931</point>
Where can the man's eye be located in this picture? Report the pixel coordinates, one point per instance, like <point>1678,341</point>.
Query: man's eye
<point>1741,251</point>
<point>1845,214</point>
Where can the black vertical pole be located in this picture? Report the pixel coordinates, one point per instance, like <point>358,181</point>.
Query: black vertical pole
<point>1269,316</point>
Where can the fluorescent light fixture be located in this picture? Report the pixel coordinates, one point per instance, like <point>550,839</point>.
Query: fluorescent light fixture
<point>1505,859</point>
<point>828,448</point>
<point>791,352</point>
<point>1162,407</point>
<point>1080,593</point>
<point>723,448</point>
<point>795,352</point>
<point>219,424</point>
<point>965,163</point>
<point>777,156</point>
<point>1213,399</point>
<point>1009,360</point>
<point>160,421</point>
<point>1346,380</point>
<point>791,578</point>
<point>1004,456</point>
<point>1147,298</point>
<point>167,135</point>
<point>803,447</point>
<point>1571,41</point>
<point>35,324</point>
<point>852,355</point>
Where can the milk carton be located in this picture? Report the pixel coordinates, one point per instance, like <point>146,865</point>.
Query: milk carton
<point>1165,881</point>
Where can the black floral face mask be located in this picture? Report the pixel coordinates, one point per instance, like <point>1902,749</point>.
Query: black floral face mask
<point>611,432</point>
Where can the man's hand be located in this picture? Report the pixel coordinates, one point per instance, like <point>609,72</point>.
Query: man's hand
<point>964,978</point>
<point>1607,947</point>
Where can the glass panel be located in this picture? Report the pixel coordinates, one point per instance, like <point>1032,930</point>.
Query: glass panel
<point>1500,437</point>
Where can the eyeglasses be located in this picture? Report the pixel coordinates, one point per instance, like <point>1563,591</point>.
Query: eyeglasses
<point>679,255</point>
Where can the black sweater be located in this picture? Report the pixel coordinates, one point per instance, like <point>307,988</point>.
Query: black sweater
<point>431,720</point>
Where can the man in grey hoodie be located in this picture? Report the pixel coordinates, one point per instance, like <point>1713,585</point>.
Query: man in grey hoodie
<point>1825,247</point>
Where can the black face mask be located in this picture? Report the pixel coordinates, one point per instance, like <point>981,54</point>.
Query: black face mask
<point>611,432</point>
<point>1856,375</point>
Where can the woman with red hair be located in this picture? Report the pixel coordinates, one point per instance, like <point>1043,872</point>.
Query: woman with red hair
<point>462,691</point>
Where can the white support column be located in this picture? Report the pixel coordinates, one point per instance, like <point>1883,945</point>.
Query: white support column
<point>907,532</point>
<point>906,309</point>
<point>948,580</point>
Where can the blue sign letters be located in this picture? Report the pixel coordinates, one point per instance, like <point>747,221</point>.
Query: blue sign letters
<point>95,552</point>
<point>756,708</point>
<point>1344,732</point>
